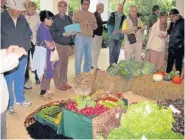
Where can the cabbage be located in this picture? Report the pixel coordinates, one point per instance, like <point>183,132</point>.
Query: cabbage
<point>148,68</point>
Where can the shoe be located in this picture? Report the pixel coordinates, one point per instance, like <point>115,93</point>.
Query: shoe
<point>67,86</point>
<point>11,110</point>
<point>27,86</point>
<point>25,103</point>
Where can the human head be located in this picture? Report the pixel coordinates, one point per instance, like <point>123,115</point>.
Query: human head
<point>174,15</point>
<point>31,8</point>
<point>119,8</point>
<point>133,10</point>
<point>15,7</point>
<point>100,7</point>
<point>46,17</point>
<point>85,4</point>
<point>62,7</point>
<point>155,9</point>
<point>163,17</point>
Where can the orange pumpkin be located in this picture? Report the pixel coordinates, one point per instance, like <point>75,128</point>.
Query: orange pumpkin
<point>177,80</point>
<point>161,73</point>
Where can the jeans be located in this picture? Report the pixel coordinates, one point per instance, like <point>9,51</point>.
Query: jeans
<point>16,76</point>
<point>83,46</point>
<point>114,50</point>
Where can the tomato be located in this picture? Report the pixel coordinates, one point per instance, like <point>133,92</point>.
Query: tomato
<point>177,80</point>
<point>161,73</point>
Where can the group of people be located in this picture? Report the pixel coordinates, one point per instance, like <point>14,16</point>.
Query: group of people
<point>43,36</point>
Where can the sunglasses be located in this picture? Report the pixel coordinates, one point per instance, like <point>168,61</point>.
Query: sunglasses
<point>172,16</point>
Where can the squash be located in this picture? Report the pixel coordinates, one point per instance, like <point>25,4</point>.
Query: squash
<point>177,80</point>
<point>157,77</point>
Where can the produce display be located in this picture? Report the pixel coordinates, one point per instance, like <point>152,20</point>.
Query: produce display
<point>129,68</point>
<point>145,119</point>
<point>51,114</point>
<point>178,125</point>
<point>82,83</point>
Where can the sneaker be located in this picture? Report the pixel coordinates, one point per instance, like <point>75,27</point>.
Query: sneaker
<point>25,103</point>
<point>11,110</point>
<point>27,86</point>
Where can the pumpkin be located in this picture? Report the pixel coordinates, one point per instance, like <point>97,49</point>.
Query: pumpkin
<point>177,80</point>
<point>161,73</point>
<point>157,77</point>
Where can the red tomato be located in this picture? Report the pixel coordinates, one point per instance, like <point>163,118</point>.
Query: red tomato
<point>177,80</point>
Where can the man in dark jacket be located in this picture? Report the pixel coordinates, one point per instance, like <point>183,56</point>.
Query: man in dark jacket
<point>15,31</point>
<point>115,35</point>
<point>97,35</point>
<point>176,42</point>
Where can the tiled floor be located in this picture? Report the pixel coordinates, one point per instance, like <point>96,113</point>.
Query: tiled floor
<point>15,122</point>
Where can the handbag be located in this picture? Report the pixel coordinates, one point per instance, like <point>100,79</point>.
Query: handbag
<point>132,38</point>
<point>54,55</point>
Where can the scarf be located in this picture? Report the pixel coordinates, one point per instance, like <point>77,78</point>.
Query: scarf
<point>134,20</point>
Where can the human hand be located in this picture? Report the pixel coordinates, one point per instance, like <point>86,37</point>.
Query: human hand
<point>73,33</point>
<point>11,48</point>
<point>66,34</point>
<point>20,52</point>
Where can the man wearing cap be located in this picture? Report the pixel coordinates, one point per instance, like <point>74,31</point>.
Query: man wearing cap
<point>176,42</point>
<point>83,40</point>
<point>15,31</point>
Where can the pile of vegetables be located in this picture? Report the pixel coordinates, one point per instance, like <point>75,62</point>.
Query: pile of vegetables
<point>129,69</point>
<point>87,111</point>
<point>51,114</point>
<point>145,119</point>
<point>178,125</point>
<point>172,76</point>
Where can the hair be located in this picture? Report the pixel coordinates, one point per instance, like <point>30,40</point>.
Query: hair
<point>155,8</point>
<point>132,6</point>
<point>99,6</point>
<point>82,1</point>
<point>31,4</point>
<point>173,12</point>
<point>161,14</point>
<point>62,2</point>
<point>46,14</point>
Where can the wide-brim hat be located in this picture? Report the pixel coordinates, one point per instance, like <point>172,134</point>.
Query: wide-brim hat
<point>16,4</point>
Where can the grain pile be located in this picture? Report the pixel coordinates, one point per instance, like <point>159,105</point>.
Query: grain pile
<point>82,83</point>
<point>105,81</point>
<point>145,86</point>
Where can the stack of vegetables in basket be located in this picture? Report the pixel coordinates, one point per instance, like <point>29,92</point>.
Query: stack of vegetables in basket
<point>51,114</point>
<point>84,116</point>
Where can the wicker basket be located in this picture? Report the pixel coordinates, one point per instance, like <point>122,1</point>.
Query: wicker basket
<point>100,121</point>
<point>30,118</point>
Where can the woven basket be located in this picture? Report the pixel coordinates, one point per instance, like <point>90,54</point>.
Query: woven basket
<point>30,118</point>
<point>100,121</point>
